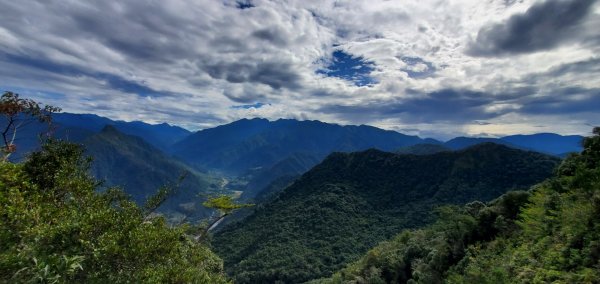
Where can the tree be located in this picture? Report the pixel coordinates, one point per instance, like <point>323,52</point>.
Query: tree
<point>18,112</point>
<point>224,205</point>
<point>56,227</point>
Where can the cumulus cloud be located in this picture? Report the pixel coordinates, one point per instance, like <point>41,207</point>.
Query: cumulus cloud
<point>191,63</point>
<point>543,26</point>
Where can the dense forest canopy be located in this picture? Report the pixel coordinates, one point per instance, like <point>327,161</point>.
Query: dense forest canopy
<point>550,234</point>
<point>351,201</point>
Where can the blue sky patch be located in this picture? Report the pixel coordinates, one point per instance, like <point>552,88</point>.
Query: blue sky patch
<point>255,105</point>
<point>350,68</point>
<point>244,4</point>
<point>39,94</point>
<point>417,67</point>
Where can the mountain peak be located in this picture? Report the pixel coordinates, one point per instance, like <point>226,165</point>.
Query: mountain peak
<point>110,129</point>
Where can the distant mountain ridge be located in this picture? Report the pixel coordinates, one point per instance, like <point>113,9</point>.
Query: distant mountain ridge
<point>246,144</point>
<point>351,201</point>
<point>549,143</point>
<point>77,127</point>
<point>221,147</point>
<point>159,135</point>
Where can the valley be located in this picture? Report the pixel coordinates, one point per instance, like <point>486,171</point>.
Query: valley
<point>325,210</point>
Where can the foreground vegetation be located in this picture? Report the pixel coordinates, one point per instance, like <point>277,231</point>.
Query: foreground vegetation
<point>55,228</point>
<point>550,234</point>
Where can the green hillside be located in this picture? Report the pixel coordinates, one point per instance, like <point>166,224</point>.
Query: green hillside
<point>351,201</point>
<point>550,234</point>
<point>55,227</point>
<point>423,149</point>
<point>287,169</point>
<point>141,169</point>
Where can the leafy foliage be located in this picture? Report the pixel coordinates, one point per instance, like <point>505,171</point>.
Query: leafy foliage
<point>224,204</point>
<point>422,149</point>
<point>16,110</point>
<point>550,234</point>
<point>55,228</point>
<point>350,202</point>
<point>141,169</point>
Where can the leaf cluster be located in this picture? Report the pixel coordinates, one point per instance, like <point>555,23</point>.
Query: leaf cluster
<point>56,228</point>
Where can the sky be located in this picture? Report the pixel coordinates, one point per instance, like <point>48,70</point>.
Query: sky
<point>430,68</point>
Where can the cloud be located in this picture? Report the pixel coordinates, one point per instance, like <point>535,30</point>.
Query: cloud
<point>591,65</point>
<point>567,101</point>
<point>274,74</point>
<point>417,67</point>
<point>446,105</point>
<point>272,35</point>
<point>543,26</point>
<point>390,64</point>
<point>115,82</point>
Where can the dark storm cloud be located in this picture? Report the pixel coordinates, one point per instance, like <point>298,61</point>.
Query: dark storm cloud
<point>273,35</point>
<point>574,70</point>
<point>114,82</point>
<point>585,66</point>
<point>244,95</point>
<point>543,26</point>
<point>444,105</point>
<point>154,35</point>
<point>150,35</point>
<point>277,75</point>
<point>563,101</point>
<point>465,106</point>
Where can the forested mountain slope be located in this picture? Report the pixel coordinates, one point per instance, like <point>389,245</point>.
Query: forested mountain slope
<point>141,169</point>
<point>291,167</point>
<point>550,234</point>
<point>423,149</point>
<point>351,201</point>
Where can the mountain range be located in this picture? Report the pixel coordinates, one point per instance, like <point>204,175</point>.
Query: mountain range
<point>160,136</point>
<point>351,201</point>
<point>247,144</point>
<point>549,143</point>
<point>257,152</point>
